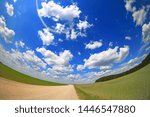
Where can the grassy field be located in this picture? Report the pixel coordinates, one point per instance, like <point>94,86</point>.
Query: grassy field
<point>134,86</point>
<point>11,74</point>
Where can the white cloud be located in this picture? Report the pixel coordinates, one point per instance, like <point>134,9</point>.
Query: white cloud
<point>51,58</point>
<point>73,34</point>
<point>143,47</point>
<point>52,9</point>
<point>106,58</point>
<point>123,68</point>
<point>59,63</point>
<point>60,40</point>
<point>139,16</point>
<point>123,53</point>
<point>29,63</point>
<point>16,60</point>
<point>60,28</point>
<point>135,61</point>
<point>129,5</point>
<point>146,33</point>
<point>105,67</point>
<point>96,75</point>
<point>129,65</point>
<point>19,44</point>
<point>148,48</point>
<point>33,59</point>
<point>83,25</point>
<point>71,24</point>
<point>60,69</point>
<point>30,58</point>
<point>21,59</point>
<point>16,57</point>
<point>46,36</point>
<point>10,9</point>
<point>93,45</point>
<point>110,44</point>
<point>5,32</point>
<point>128,38</point>
<point>80,67</point>
<point>15,1</point>
<point>74,76</point>
<point>79,53</point>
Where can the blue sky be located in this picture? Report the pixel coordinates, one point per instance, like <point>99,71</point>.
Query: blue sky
<point>74,41</point>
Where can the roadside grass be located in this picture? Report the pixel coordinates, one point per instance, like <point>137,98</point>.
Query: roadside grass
<point>134,86</point>
<point>8,73</point>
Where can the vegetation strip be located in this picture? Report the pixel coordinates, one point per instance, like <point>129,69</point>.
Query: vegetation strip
<point>11,74</point>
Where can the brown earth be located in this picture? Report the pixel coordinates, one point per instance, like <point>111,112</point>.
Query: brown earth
<point>11,90</point>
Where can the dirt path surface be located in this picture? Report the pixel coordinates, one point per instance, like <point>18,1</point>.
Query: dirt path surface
<point>11,90</point>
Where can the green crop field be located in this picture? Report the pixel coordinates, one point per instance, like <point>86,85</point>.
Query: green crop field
<point>8,73</point>
<point>134,86</point>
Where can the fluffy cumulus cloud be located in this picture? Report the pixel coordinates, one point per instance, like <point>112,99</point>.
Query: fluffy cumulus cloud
<point>59,63</point>
<point>62,69</point>
<point>139,16</point>
<point>123,53</point>
<point>73,34</point>
<point>46,36</point>
<point>5,32</point>
<point>29,63</point>
<point>33,59</point>
<point>93,45</point>
<point>10,9</point>
<point>80,67</point>
<point>129,5</point>
<point>83,25</point>
<point>51,58</point>
<point>146,33</point>
<point>60,28</point>
<point>22,59</point>
<point>66,20</point>
<point>28,58</point>
<point>74,76</point>
<point>52,9</point>
<point>106,59</point>
<point>123,68</point>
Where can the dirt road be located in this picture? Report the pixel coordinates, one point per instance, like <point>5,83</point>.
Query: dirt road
<point>11,90</point>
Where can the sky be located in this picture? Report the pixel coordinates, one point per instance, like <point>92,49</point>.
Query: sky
<point>72,41</point>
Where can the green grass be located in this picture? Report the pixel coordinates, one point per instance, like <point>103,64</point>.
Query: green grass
<point>134,86</point>
<point>11,74</point>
